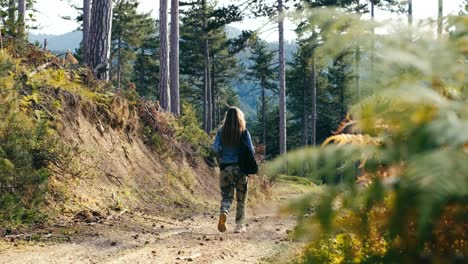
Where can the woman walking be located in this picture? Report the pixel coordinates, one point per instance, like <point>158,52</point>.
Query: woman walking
<point>227,145</point>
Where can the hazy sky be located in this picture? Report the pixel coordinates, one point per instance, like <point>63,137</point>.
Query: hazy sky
<point>50,13</point>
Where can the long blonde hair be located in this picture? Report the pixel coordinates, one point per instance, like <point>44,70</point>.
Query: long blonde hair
<point>233,126</point>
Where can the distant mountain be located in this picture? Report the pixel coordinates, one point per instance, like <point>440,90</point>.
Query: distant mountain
<point>59,43</point>
<point>232,32</point>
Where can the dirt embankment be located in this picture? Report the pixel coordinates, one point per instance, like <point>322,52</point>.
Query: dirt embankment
<point>116,170</point>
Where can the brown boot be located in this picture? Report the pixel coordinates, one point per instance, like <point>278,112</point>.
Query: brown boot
<point>222,222</point>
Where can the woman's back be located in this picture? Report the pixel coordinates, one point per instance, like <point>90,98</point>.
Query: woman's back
<point>230,135</point>
<point>228,153</point>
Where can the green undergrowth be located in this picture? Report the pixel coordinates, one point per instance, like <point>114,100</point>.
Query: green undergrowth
<point>293,179</point>
<point>187,130</point>
<point>184,129</point>
<point>27,146</point>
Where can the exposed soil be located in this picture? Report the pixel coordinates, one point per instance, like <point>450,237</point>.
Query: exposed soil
<point>130,237</point>
<point>117,169</point>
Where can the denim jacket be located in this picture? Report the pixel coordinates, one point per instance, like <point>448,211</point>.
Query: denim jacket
<point>229,154</point>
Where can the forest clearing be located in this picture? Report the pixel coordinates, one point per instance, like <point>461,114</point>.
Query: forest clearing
<point>247,131</point>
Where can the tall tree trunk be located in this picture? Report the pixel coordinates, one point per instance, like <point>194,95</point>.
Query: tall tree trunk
<point>174,58</point>
<point>357,70</point>
<point>410,19</point>
<point>282,81</point>
<point>313,80</point>
<point>342,104</point>
<point>208,87</point>
<point>213,94</point>
<point>206,75</point>
<point>21,27</point>
<point>164,92</point>
<point>410,12</point>
<point>440,19</point>
<point>264,134</point>
<point>119,63</point>
<point>99,38</point>
<point>357,74</point>
<point>86,25</point>
<point>304,130</point>
<point>142,67</point>
<point>372,55</point>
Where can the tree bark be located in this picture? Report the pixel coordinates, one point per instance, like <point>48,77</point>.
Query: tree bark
<point>410,12</point>
<point>119,62</point>
<point>208,87</point>
<point>372,53</point>
<point>21,28</point>
<point>99,37</point>
<point>282,81</point>
<point>86,25</point>
<point>440,19</point>
<point>313,80</point>
<point>264,134</point>
<point>357,70</point>
<point>342,106</point>
<point>206,76</point>
<point>410,18</point>
<point>304,130</point>
<point>142,68</point>
<point>213,94</point>
<point>164,92</point>
<point>174,58</point>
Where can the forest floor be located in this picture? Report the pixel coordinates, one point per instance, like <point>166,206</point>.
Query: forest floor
<point>129,237</point>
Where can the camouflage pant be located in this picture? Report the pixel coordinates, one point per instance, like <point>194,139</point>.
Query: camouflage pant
<point>233,178</point>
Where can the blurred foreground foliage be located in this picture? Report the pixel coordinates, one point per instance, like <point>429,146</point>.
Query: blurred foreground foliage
<point>400,192</point>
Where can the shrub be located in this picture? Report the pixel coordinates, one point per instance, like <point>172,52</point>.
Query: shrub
<point>28,145</point>
<point>187,130</point>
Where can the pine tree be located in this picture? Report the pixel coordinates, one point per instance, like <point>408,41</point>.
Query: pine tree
<point>282,81</point>
<point>298,98</point>
<point>440,19</point>
<point>164,91</point>
<point>146,66</point>
<point>174,58</point>
<point>9,20</point>
<point>224,68</point>
<point>204,51</point>
<point>129,29</point>
<point>100,33</point>
<point>263,72</point>
<point>207,103</point>
<point>86,30</point>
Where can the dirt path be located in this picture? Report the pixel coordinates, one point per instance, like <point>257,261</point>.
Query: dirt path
<point>136,238</point>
